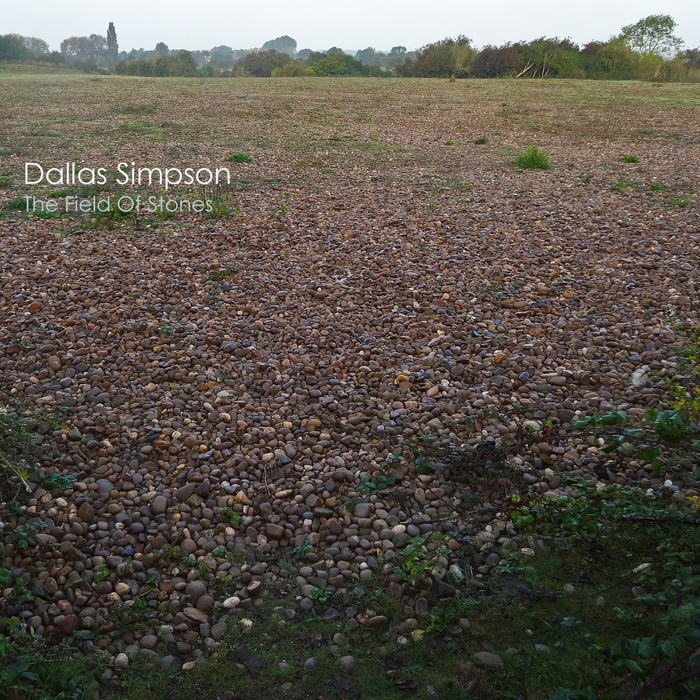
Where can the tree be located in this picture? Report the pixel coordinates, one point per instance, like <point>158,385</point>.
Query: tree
<point>367,56</point>
<point>613,60</point>
<point>86,47</point>
<point>112,45</point>
<point>12,48</point>
<point>549,57</point>
<point>282,44</point>
<point>37,46</point>
<point>496,62</point>
<point>691,58</point>
<point>398,51</point>
<point>222,56</point>
<point>335,49</point>
<point>161,50</point>
<point>445,58</point>
<point>260,64</point>
<point>652,35</point>
<point>182,65</point>
<point>337,64</point>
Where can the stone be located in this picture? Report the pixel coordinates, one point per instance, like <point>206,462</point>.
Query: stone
<point>486,659</point>
<point>69,624</point>
<point>159,505</point>
<point>274,531</point>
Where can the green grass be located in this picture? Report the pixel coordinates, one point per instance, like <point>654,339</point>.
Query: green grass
<point>533,159</point>
<point>682,201</point>
<point>15,204</point>
<point>629,159</point>
<point>240,158</point>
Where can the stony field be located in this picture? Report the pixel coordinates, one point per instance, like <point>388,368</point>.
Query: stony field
<point>242,401</point>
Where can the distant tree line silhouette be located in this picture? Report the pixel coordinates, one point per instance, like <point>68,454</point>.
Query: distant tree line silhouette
<point>646,50</point>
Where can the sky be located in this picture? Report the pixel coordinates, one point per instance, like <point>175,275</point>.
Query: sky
<point>320,24</point>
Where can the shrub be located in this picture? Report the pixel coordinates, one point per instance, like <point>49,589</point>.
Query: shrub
<point>533,159</point>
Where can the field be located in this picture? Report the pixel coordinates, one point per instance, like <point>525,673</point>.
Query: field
<point>314,413</point>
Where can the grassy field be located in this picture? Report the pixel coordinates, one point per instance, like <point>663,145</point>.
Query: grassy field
<point>378,233</point>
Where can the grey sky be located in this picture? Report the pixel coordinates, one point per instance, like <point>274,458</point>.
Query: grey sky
<point>319,24</point>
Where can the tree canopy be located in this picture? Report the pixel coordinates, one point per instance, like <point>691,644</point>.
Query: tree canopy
<point>652,35</point>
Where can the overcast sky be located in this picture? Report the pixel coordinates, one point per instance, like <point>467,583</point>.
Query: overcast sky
<point>320,24</point>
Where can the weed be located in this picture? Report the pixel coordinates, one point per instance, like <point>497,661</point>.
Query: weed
<point>420,558</point>
<point>24,536</point>
<point>221,273</point>
<point>533,159</point>
<point>301,550</point>
<point>240,158</point>
<point>101,572</point>
<point>230,515</point>
<point>658,186</point>
<point>216,198</point>
<point>5,181</point>
<point>16,204</point>
<point>481,141</point>
<point>682,201</point>
<point>629,159</point>
<point>62,482</point>
<point>320,594</point>
<point>449,143</point>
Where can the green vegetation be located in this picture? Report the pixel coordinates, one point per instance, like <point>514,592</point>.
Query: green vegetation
<point>534,159</point>
<point>240,158</point>
<point>646,50</point>
<point>629,159</point>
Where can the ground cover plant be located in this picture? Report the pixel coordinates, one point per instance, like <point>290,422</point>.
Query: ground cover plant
<point>397,417</point>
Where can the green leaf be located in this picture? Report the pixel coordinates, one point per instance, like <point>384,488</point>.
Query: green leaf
<point>577,424</point>
<point>613,443</point>
<point>671,426</point>
<point>648,454</point>
<point>423,466</point>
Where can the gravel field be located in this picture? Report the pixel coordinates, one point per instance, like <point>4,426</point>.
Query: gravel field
<point>224,389</point>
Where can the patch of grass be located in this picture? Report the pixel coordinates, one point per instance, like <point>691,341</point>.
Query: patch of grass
<point>658,186</point>
<point>621,185</point>
<point>5,181</point>
<point>629,159</point>
<point>58,193</point>
<point>682,201</point>
<point>135,127</point>
<point>221,273</point>
<point>533,159</point>
<point>7,151</point>
<point>240,158</point>
<point>481,141</point>
<point>139,109</point>
<point>15,204</point>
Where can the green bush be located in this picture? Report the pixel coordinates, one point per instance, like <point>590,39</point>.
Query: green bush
<point>533,159</point>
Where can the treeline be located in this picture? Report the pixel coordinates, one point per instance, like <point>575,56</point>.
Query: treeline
<point>647,50</point>
<point>451,57</point>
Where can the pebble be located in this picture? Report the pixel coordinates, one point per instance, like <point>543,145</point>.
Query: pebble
<point>486,659</point>
<point>212,430</point>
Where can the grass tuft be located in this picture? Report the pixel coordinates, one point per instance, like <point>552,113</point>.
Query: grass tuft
<point>533,159</point>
